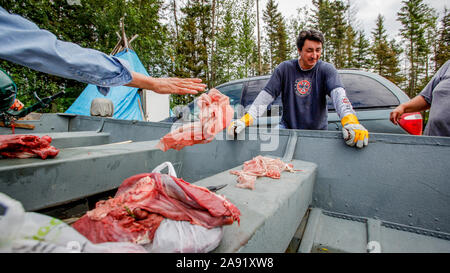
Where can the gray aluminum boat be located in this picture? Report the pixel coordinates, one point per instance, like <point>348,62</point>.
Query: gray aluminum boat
<point>392,196</point>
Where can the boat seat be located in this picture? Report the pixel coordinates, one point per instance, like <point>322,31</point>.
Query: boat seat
<point>333,232</point>
<point>270,214</point>
<point>62,140</point>
<point>79,172</point>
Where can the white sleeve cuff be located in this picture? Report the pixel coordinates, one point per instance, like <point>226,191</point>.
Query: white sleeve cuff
<point>341,103</point>
<point>259,106</point>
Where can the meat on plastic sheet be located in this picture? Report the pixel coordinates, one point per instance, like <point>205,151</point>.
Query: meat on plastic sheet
<point>260,166</point>
<point>144,200</point>
<point>26,146</point>
<point>215,114</point>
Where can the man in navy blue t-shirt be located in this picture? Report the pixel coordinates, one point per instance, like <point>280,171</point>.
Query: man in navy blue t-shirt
<point>303,84</point>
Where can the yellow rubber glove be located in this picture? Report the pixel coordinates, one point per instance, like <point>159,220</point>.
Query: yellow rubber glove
<point>353,132</point>
<point>239,125</point>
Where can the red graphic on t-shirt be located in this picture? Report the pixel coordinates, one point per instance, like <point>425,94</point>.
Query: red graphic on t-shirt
<point>303,87</point>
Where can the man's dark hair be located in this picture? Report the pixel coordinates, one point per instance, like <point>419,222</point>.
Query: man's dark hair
<point>311,34</point>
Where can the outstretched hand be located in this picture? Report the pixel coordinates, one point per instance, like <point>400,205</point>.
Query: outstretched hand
<point>179,86</point>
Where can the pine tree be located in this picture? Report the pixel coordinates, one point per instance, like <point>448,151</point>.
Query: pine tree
<point>270,18</point>
<point>276,36</point>
<point>362,54</point>
<point>443,44</point>
<point>414,16</point>
<point>393,70</point>
<point>337,36</point>
<point>350,46</point>
<point>379,46</point>
<point>323,21</point>
<point>246,39</point>
<point>300,21</point>
<point>351,37</point>
<point>282,49</point>
<point>386,54</point>
<point>431,41</point>
<point>191,47</point>
<point>226,46</point>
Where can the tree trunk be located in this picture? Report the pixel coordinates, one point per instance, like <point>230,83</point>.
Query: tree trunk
<point>175,16</point>
<point>213,68</point>
<point>259,38</point>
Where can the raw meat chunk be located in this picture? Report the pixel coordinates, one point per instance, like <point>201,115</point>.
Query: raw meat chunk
<point>215,114</point>
<point>260,166</point>
<point>144,200</point>
<point>26,146</point>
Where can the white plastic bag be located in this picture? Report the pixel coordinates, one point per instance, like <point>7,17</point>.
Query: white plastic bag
<point>22,231</point>
<point>181,236</point>
<point>164,165</point>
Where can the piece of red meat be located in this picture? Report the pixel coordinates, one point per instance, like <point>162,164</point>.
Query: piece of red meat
<point>144,200</point>
<point>215,114</point>
<point>26,146</point>
<point>260,166</point>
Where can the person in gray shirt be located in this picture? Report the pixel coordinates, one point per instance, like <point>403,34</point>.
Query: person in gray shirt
<point>436,97</point>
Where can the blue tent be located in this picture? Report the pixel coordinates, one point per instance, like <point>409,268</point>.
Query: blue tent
<point>126,99</point>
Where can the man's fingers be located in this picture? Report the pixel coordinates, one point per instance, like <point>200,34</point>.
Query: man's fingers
<point>345,134</point>
<point>394,117</point>
<point>350,140</point>
<point>362,138</point>
<point>182,91</point>
<point>194,80</point>
<point>231,128</point>
<point>199,87</point>
<point>359,144</point>
<point>355,135</point>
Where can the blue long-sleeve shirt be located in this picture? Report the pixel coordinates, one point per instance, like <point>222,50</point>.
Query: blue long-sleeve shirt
<point>23,42</point>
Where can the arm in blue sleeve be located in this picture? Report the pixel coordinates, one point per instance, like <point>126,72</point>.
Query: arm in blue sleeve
<point>24,43</point>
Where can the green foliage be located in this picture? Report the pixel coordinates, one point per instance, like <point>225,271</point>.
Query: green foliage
<point>386,54</point>
<point>191,48</point>
<point>301,20</point>
<point>93,24</point>
<point>323,20</point>
<point>276,35</point>
<point>226,47</point>
<point>443,43</point>
<point>362,58</point>
<point>415,17</point>
<point>331,18</point>
<point>246,44</point>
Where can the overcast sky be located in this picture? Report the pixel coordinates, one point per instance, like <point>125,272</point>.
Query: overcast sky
<point>367,11</point>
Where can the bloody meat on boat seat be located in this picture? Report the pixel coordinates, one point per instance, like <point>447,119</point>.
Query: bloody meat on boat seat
<point>26,146</point>
<point>144,200</point>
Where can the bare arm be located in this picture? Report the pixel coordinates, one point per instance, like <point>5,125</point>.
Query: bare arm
<point>167,85</point>
<point>417,104</point>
